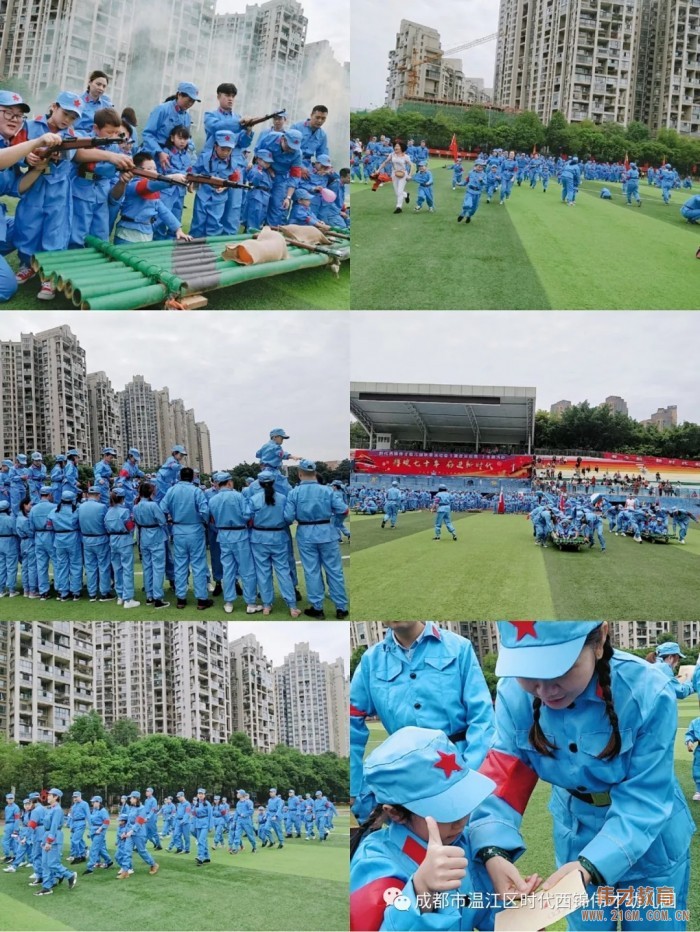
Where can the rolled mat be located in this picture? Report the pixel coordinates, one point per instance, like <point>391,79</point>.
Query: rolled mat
<point>269,246</point>
<point>310,236</point>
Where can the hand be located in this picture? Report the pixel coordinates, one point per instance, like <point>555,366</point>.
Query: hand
<point>304,172</point>
<point>178,176</point>
<point>506,878</point>
<point>126,177</point>
<point>164,160</point>
<point>286,203</point>
<point>444,866</point>
<point>36,161</point>
<point>180,234</point>
<point>221,190</point>
<point>122,162</point>
<point>689,745</point>
<point>565,869</point>
<point>48,139</point>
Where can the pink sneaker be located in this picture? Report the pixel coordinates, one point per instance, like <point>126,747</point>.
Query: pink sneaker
<point>47,291</point>
<point>24,274</point>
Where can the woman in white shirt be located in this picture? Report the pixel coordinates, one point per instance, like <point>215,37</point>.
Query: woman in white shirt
<point>401,167</point>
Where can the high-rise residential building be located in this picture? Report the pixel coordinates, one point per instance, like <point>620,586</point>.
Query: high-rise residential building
<point>366,633</point>
<point>55,44</point>
<point>137,403</point>
<point>301,702</point>
<point>202,686</point>
<point>104,415</point>
<point>253,693</point>
<point>617,404</point>
<point>483,636</point>
<point>663,418</point>
<point>134,674</point>
<point>165,425</point>
<point>338,699</point>
<point>417,69</point>
<point>669,74</point>
<point>559,407</point>
<point>204,456</point>
<point>266,43</point>
<point>46,678</point>
<point>43,395</point>
<point>191,441</point>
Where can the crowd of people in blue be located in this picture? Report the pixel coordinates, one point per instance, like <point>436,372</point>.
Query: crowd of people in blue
<point>440,803</point>
<point>47,520</point>
<point>285,175</point>
<point>494,175</point>
<point>33,836</point>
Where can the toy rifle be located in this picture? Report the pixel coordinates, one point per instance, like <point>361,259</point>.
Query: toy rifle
<point>94,142</point>
<point>268,116</point>
<point>155,176</point>
<point>216,182</point>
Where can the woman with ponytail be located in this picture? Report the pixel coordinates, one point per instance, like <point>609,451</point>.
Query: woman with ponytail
<point>598,725</point>
<point>666,658</point>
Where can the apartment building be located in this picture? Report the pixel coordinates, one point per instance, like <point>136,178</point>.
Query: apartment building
<point>202,681</point>
<point>253,693</point>
<point>104,415</point>
<point>338,700</point>
<point>301,702</point>
<point>137,404</point>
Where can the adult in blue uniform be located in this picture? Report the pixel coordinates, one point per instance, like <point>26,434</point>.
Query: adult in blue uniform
<point>225,118</point>
<point>244,822</point>
<point>19,482</point>
<point>228,515</point>
<point>57,476</point>
<point>188,511</point>
<point>424,854</point>
<point>692,737</point>
<point>36,477</point>
<point>633,185</point>
<point>150,804</point>
<point>99,824</point>
<point>43,539</point>
<point>314,141</point>
<point>9,552</point>
<point>392,501</point>
<point>135,837</point>
<point>217,570</point>
<point>36,823</point>
<point>174,111</point>
<point>95,98</point>
<point>129,473</point>
<point>443,511</point>
<point>203,820</point>
<point>152,531</point>
<point>294,816</point>
<point>78,818</point>
<point>691,209</point>
<point>119,525</point>
<point>668,656</point>
<point>181,826</point>
<point>52,871</point>
<point>167,811</point>
<point>620,817</point>
<point>424,675</point>
<point>570,180</point>
<point>166,477</point>
<point>320,806</point>
<point>27,552</point>
<point>12,818</point>
<point>96,556</point>
<point>274,817</point>
<point>312,505</point>
<point>68,551</point>
<point>287,166</point>
<point>70,474</point>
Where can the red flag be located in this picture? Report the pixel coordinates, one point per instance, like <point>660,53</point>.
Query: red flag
<point>453,150</point>
<point>501,504</point>
<point>627,161</point>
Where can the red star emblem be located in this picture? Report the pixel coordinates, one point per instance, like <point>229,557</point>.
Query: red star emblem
<point>16,97</point>
<point>448,764</point>
<point>77,102</point>
<point>524,627</point>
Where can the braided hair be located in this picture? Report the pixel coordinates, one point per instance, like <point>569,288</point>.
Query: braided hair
<point>375,821</point>
<point>539,740</point>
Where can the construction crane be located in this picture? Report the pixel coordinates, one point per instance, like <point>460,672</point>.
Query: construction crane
<point>413,70</point>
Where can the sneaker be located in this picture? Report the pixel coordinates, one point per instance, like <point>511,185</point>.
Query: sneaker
<point>416,208</point>
<point>454,537</point>
<point>210,586</point>
<point>467,219</point>
<point>90,870</point>
<point>75,597</point>
<point>696,798</point>
<point>398,211</point>
<point>228,607</point>
<point>9,870</point>
<point>110,597</point>
<point>431,210</point>
<point>131,603</point>
<point>341,613</point>
<point>154,869</point>
<point>93,598</point>
<point>13,594</point>
<point>253,609</point>
<point>436,538</point>
<point>312,612</point>
<point>35,883</point>
<point>47,292</point>
<point>150,601</point>
<point>204,604</point>
<point>408,197</point>
<point>43,892</point>
<point>159,603</point>
<point>181,603</point>
<point>460,218</point>
<point>384,522</point>
<point>122,875</point>
<point>218,589</point>
<point>24,274</point>
<point>120,601</point>
<point>72,881</point>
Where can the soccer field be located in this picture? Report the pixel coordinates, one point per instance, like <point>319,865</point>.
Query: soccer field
<point>495,571</point>
<point>537,822</point>
<point>304,886</point>
<point>532,253</point>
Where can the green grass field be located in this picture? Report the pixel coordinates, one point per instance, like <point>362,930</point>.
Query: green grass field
<point>533,253</point>
<point>304,886</point>
<point>308,290</point>
<point>21,609</point>
<point>537,826</point>
<point>495,571</point>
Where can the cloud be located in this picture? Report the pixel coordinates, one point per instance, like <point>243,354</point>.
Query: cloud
<point>278,639</point>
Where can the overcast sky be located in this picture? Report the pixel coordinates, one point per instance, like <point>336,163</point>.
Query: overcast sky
<point>327,20</point>
<point>278,638</point>
<point>647,357</point>
<point>243,372</point>
<point>374,28</point>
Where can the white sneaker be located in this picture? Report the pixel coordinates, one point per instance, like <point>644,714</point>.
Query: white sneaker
<point>13,594</point>
<point>253,609</point>
<point>131,603</point>
<point>228,607</point>
<point>47,292</point>
<point>696,798</point>
<point>210,587</point>
<point>10,870</point>
<point>120,601</point>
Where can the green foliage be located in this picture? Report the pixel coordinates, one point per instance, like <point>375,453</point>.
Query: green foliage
<point>355,658</point>
<point>124,732</point>
<point>359,437</point>
<point>488,668</point>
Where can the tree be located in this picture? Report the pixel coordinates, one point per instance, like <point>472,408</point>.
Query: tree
<point>527,132</point>
<point>241,741</point>
<point>488,668</point>
<point>359,438</point>
<point>557,134</point>
<point>124,732</point>
<point>637,132</point>
<point>87,728</point>
<point>355,657</point>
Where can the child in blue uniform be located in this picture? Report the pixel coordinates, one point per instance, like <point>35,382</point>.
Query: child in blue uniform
<point>424,180</point>
<point>692,737</point>
<point>261,178</point>
<point>475,185</point>
<point>301,211</point>
<point>599,726</point>
<point>172,196</point>
<point>210,203</point>
<point>142,206</point>
<point>415,845</point>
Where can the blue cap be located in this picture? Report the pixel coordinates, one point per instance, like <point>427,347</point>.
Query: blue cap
<point>178,448</point>
<point>290,791</point>
<point>4,505</point>
<point>149,789</point>
<point>266,475</point>
<point>67,496</point>
<point>136,794</point>
<point>307,465</point>
<point>56,792</point>
<point>7,463</point>
<point>217,797</point>
<point>265,155</point>
<point>180,794</point>
<point>301,194</point>
<point>70,101</point>
<point>545,649</point>
<point>340,484</point>
<point>279,432</point>
<point>22,458</point>
<point>96,799</point>
<point>394,481</point>
<point>12,99</point>
<point>61,458</point>
<point>9,795</point>
<point>324,160</point>
<point>186,87</point>
<point>37,456</point>
<point>293,137</point>
<point>421,769</point>
<point>73,452</point>
<point>134,452</point>
<point>249,480</point>
<point>240,792</point>
<point>118,492</point>
<point>110,450</point>
<point>94,490</point>
<point>221,477</point>
<point>667,649</point>
<point>123,797</point>
<point>76,793</point>
<point>26,802</point>
<point>319,793</point>
<point>201,790</point>
<point>273,789</point>
<point>226,138</point>
<point>35,795</point>
<point>442,488</point>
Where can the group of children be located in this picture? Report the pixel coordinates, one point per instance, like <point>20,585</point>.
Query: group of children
<point>441,801</point>
<point>247,533</point>
<point>66,194</point>
<point>33,835</point>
